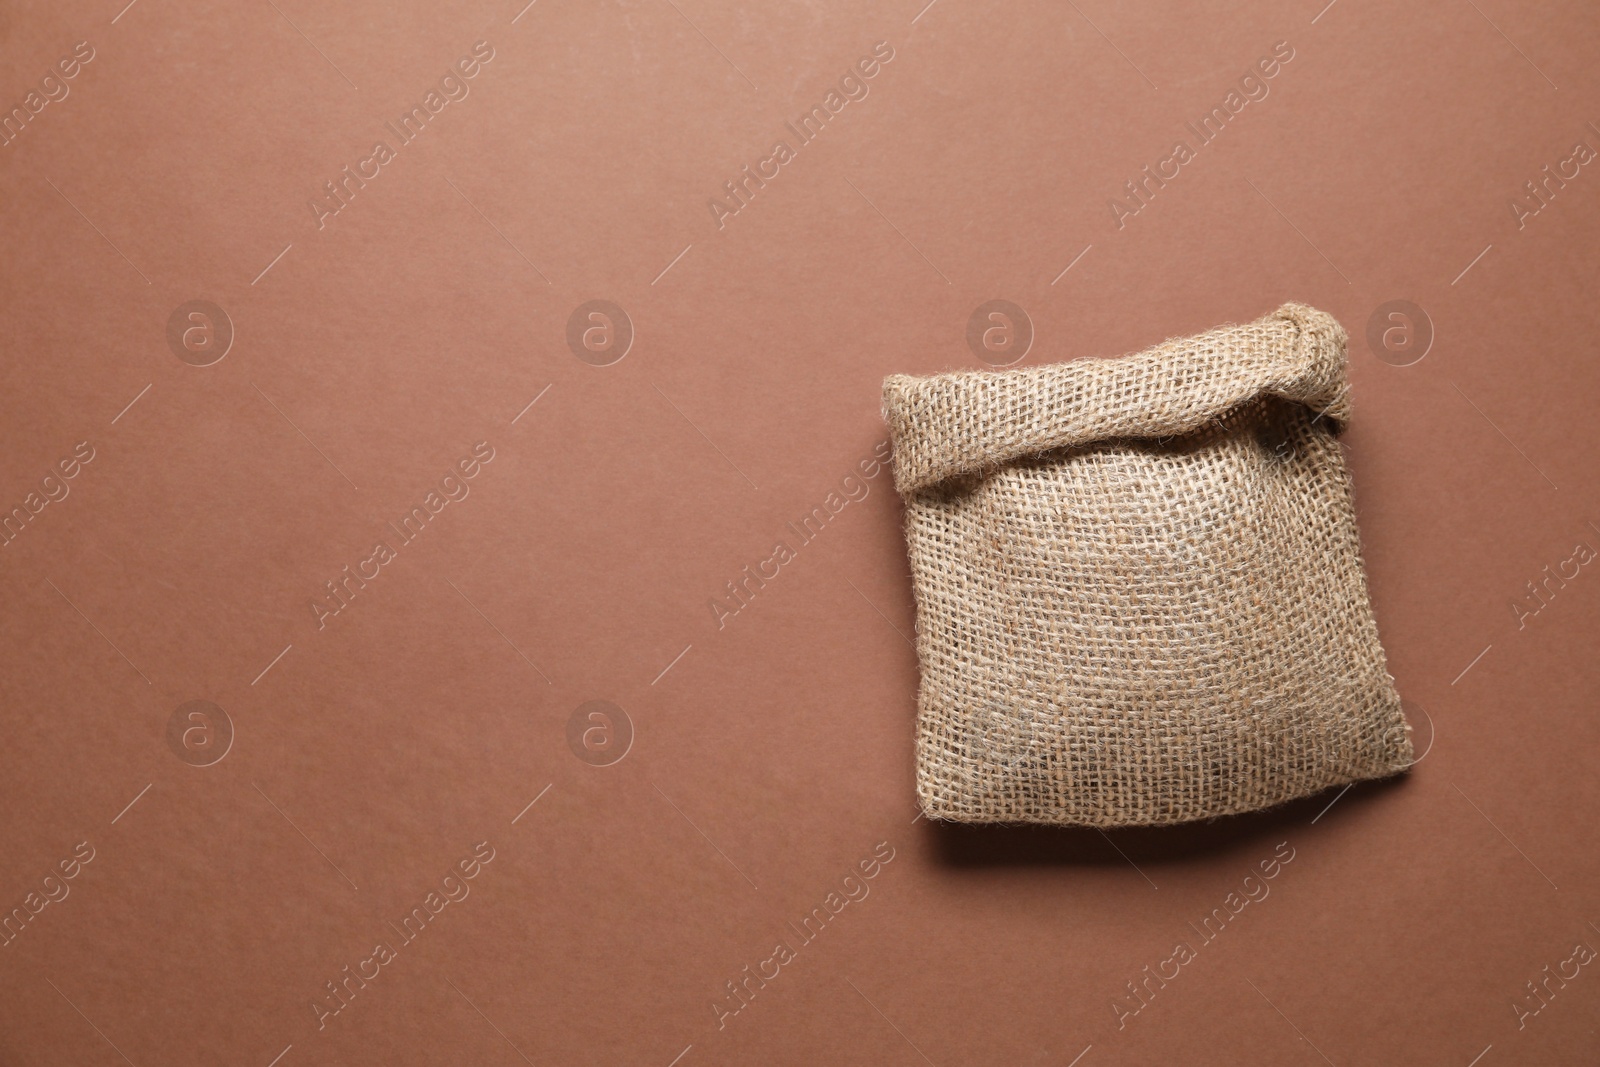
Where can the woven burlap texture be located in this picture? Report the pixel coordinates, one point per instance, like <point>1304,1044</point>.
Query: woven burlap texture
<point>1140,595</point>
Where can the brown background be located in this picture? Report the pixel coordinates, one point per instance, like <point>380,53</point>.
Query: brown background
<point>374,753</point>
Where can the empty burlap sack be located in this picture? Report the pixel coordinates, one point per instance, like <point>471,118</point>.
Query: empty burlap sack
<point>1140,596</point>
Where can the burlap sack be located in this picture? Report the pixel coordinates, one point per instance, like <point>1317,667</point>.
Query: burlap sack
<point>1140,596</point>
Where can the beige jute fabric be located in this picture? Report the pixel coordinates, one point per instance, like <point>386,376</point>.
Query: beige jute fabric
<point>1140,595</point>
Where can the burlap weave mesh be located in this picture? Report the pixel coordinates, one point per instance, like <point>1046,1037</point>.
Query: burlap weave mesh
<point>1140,596</point>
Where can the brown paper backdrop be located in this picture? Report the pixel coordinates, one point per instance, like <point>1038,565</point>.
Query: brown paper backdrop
<point>764,754</point>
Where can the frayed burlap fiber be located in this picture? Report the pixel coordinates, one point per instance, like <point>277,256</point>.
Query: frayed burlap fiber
<point>1140,596</point>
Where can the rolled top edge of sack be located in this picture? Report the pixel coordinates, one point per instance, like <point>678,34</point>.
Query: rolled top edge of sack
<point>968,422</point>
